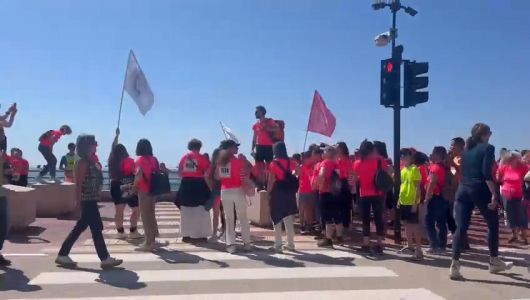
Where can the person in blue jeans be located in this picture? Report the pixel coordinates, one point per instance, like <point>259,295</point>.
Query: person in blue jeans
<point>436,217</point>
<point>477,188</point>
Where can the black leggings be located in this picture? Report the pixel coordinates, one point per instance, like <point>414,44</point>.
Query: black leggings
<point>51,161</point>
<point>376,205</point>
<point>3,220</point>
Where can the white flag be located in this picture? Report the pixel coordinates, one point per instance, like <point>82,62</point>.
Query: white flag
<point>228,132</point>
<point>137,86</point>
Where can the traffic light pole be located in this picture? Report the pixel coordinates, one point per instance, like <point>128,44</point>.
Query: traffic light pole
<point>397,136</point>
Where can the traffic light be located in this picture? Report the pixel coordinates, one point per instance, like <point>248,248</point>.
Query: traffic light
<point>390,82</point>
<point>414,81</point>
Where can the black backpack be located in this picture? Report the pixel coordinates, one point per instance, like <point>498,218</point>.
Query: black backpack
<point>290,182</point>
<point>383,181</point>
<point>159,182</point>
<point>335,183</point>
<point>45,135</point>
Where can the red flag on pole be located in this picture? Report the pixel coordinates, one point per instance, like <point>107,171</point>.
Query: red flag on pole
<point>321,119</point>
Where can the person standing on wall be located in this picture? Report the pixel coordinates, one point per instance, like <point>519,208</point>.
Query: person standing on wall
<point>46,142</point>
<point>262,142</point>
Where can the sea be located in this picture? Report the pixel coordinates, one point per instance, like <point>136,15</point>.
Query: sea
<point>174,179</point>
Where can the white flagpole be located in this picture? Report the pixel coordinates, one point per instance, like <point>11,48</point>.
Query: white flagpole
<point>223,130</point>
<point>309,119</point>
<point>123,90</point>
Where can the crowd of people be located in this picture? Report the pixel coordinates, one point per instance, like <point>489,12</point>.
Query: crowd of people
<point>325,187</point>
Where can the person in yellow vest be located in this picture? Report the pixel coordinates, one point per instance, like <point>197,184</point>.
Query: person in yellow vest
<point>68,162</point>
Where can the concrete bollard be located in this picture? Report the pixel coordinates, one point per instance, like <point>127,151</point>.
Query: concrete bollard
<point>259,212</point>
<point>22,206</point>
<point>55,200</point>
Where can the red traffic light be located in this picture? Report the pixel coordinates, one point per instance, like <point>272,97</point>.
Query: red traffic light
<point>389,67</point>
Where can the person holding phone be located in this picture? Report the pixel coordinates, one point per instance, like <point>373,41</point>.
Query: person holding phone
<point>6,121</point>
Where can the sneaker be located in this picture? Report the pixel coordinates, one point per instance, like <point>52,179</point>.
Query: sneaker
<point>122,235</point>
<point>135,235</point>
<point>418,255</point>
<point>247,247</point>
<point>213,239</point>
<point>145,248</point>
<point>378,250</point>
<point>4,262</point>
<point>231,249</point>
<point>454,271</point>
<point>406,250</point>
<point>289,247</point>
<point>65,261</point>
<point>110,262</point>
<point>276,249</point>
<point>328,243</point>
<point>497,265</point>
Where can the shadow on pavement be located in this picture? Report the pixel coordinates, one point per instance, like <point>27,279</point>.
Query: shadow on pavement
<point>179,257</point>
<point>29,235</point>
<point>117,277</point>
<point>16,280</point>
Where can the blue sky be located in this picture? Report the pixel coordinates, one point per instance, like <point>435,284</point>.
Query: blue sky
<point>210,60</point>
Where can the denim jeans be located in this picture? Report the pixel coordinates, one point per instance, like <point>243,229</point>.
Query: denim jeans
<point>3,221</point>
<point>51,161</point>
<point>467,197</point>
<point>375,203</point>
<point>437,218</point>
<point>90,217</point>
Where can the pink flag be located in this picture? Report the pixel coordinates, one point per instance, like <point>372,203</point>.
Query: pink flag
<point>321,119</point>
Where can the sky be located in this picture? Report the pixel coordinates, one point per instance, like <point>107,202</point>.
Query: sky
<point>206,61</point>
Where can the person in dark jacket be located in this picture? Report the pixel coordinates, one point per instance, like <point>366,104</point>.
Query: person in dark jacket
<point>477,188</point>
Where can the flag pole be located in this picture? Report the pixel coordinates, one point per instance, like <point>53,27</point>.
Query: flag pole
<point>123,90</point>
<point>308,120</point>
<point>223,130</point>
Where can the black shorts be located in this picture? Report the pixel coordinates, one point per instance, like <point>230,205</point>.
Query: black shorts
<point>116,194</point>
<point>331,208</point>
<point>516,213</point>
<point>407,214</point>
<point>263,154</point>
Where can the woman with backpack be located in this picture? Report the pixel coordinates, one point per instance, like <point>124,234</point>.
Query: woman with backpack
<point>344,166</point>
<point>436,216</point>
<point>329,189</point>
<point>282,186</point>
<point>477,188</point>
<point>88,191</point>
<point>46,142</point>
<point>145,165</point>
<point>372,198</point>
<point>195,222</point>
<point>121,171</point>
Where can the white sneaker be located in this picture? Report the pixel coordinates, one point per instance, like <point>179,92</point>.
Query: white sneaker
<point>65,261</point>
<point>222,238</point>
<point>110,262</point>
<point>454,271</point>
<point>289,247</point>
<point>135,235</point>
<point>145,248</point>
<point>231,249</point>
<point>497,265</point>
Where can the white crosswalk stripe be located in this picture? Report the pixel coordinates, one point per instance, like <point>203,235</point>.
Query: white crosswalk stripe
<point>174,264</point>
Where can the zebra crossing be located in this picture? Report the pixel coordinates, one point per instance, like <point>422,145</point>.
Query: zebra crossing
<point>186,271</point>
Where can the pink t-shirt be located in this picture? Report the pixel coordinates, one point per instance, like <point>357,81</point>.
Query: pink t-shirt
<point>53,138</point>
<point>439,170</point>
<point>366,170</point>
<point>263,137</point>
<point>512,181</point>
<point>194,165</point>
<point>279,173</point>
<point>328,167</point>
<point>304,178</point>
<point>231,174</point>
<point>345,168</point>
<point>148,164</point>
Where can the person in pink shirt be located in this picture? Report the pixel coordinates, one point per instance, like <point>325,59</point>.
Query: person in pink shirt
<point>306,195</point>
<point>344,167</point>
<point>19,168</point>
<point>262,142</point>
<point>372,200</point>
<point>195,222</point>
<point>233,171</point>
<point>145,165</point>
<point>511,176</point>
<point>46,142</point>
